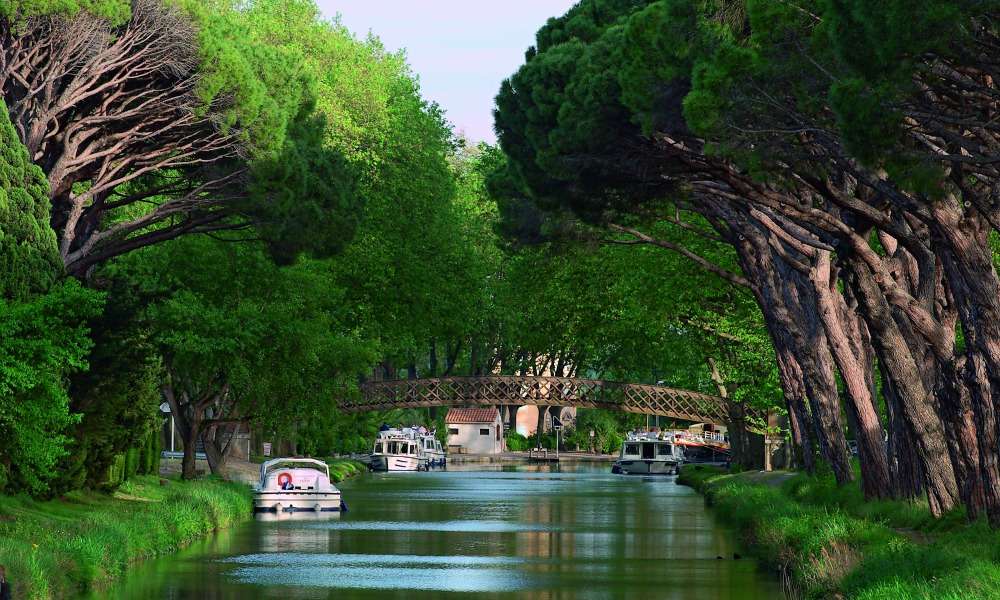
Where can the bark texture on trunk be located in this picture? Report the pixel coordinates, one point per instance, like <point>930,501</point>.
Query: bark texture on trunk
<point>971,404</point>
<point>907,377</point>
<point>787,299</point>
<point>854,361</point>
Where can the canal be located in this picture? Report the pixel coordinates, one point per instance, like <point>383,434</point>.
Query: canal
<point>509,532</point>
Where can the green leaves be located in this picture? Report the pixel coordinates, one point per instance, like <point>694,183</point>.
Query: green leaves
<point>116,11</point>
<point>43,337</point>
<point>29,258</point>
<point>42,340</point>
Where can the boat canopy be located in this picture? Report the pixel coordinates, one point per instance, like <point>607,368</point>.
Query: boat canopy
<point>267,466</point>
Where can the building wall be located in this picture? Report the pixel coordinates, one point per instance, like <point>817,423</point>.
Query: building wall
<point>527,419</point>
<point>472,442</point>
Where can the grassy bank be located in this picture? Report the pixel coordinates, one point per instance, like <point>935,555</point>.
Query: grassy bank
<point>82,541</point>
<point>829,543</point>
<point>342,468</point>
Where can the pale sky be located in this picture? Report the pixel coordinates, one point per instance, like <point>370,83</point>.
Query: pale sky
<point>461,49</point>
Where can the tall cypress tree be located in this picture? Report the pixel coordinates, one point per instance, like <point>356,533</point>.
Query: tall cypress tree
<point>29,256</point>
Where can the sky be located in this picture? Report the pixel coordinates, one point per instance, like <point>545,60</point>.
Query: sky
<point>460,49</point>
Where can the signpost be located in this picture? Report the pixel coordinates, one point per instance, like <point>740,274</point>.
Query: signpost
<point>557,426</point>
<point>267,448</point>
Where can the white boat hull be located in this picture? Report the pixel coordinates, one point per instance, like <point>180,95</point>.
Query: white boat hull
<point>647,467</point>
<point>393,462</point>
<point>432,459</point>
<point>297,501</point>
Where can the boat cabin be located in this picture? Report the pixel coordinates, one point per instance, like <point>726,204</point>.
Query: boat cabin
<point>647,450</point>
<point>396,446</point>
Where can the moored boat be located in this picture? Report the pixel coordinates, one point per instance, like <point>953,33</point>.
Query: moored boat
<point>649,454</point>
<point>296,485</point>
<point>431,452</point>
<point>396,450</point>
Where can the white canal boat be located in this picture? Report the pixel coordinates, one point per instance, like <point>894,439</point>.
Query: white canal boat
<point>396,450</point>
<point>649,454</point>
<point>296,485</point>
<point>431,452</point>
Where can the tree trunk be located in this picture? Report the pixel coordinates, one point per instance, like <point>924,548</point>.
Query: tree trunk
<point>915,401</point>
<point>432,367</point>
<point>854,361</point>
<point>217,440</point>
<point>541,424</point>
<point>790,374</point>
<point>906,474</point>
<point>787,299</point>
<point>512,417</point>
<point>967,260</point>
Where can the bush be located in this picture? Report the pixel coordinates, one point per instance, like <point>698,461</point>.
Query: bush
<point>517,442</point>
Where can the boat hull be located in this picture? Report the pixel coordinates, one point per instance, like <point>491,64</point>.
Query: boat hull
<point>297,501</point>
<point>392,462</point>
<point>647,467</point>
<point>432,459</point>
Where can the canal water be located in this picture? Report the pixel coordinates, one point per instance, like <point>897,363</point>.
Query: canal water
<point>540,533</point>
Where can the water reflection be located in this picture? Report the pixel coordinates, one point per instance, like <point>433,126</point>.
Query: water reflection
<point>495,532</point>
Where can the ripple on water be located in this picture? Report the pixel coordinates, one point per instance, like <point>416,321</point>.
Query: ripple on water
<point>456,526</point>
<point>382,576</point>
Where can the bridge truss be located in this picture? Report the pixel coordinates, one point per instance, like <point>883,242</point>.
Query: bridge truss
<point>549,391</point>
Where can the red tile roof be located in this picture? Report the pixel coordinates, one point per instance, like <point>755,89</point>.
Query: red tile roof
<point>471,415</point>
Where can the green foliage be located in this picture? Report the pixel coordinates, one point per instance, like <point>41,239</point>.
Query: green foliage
<point>305,168</point>
<point>62,548</point>
<point>43,325</point>
<point>29,258</point>
<point>41,341</point>
<point>116,11</point>
<point>609,430</point>
<point>341,469</point>
<point>118,397</point>
<point>517,442</point>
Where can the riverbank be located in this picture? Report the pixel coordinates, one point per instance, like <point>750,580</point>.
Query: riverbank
<point>828,543</point>
<point>84,540</point>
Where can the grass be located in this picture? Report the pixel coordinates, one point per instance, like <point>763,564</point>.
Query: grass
<point>829,543</point>
<point>82,541</point>
<point>342,468</point>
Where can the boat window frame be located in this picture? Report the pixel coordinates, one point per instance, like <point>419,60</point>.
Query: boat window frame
<point>652,447</point>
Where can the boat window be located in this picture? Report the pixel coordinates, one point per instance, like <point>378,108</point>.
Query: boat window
<point>393,447</point>
<point>378,447</point>
<point>647,450</point>
<point>631,448</point>
<point>664,450</point>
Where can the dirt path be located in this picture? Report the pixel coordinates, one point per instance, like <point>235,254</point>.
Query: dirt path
<point>236,470</point>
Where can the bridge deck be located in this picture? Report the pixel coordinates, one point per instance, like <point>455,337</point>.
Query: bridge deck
<point>547,391</point>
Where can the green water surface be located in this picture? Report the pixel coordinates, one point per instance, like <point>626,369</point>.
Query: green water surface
<point>540,533</point>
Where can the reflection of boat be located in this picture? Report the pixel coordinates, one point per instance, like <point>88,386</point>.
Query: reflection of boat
<point>396,450</point>
<point>268,516</point>
<point>649,454</point>
<point>294,485</point>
